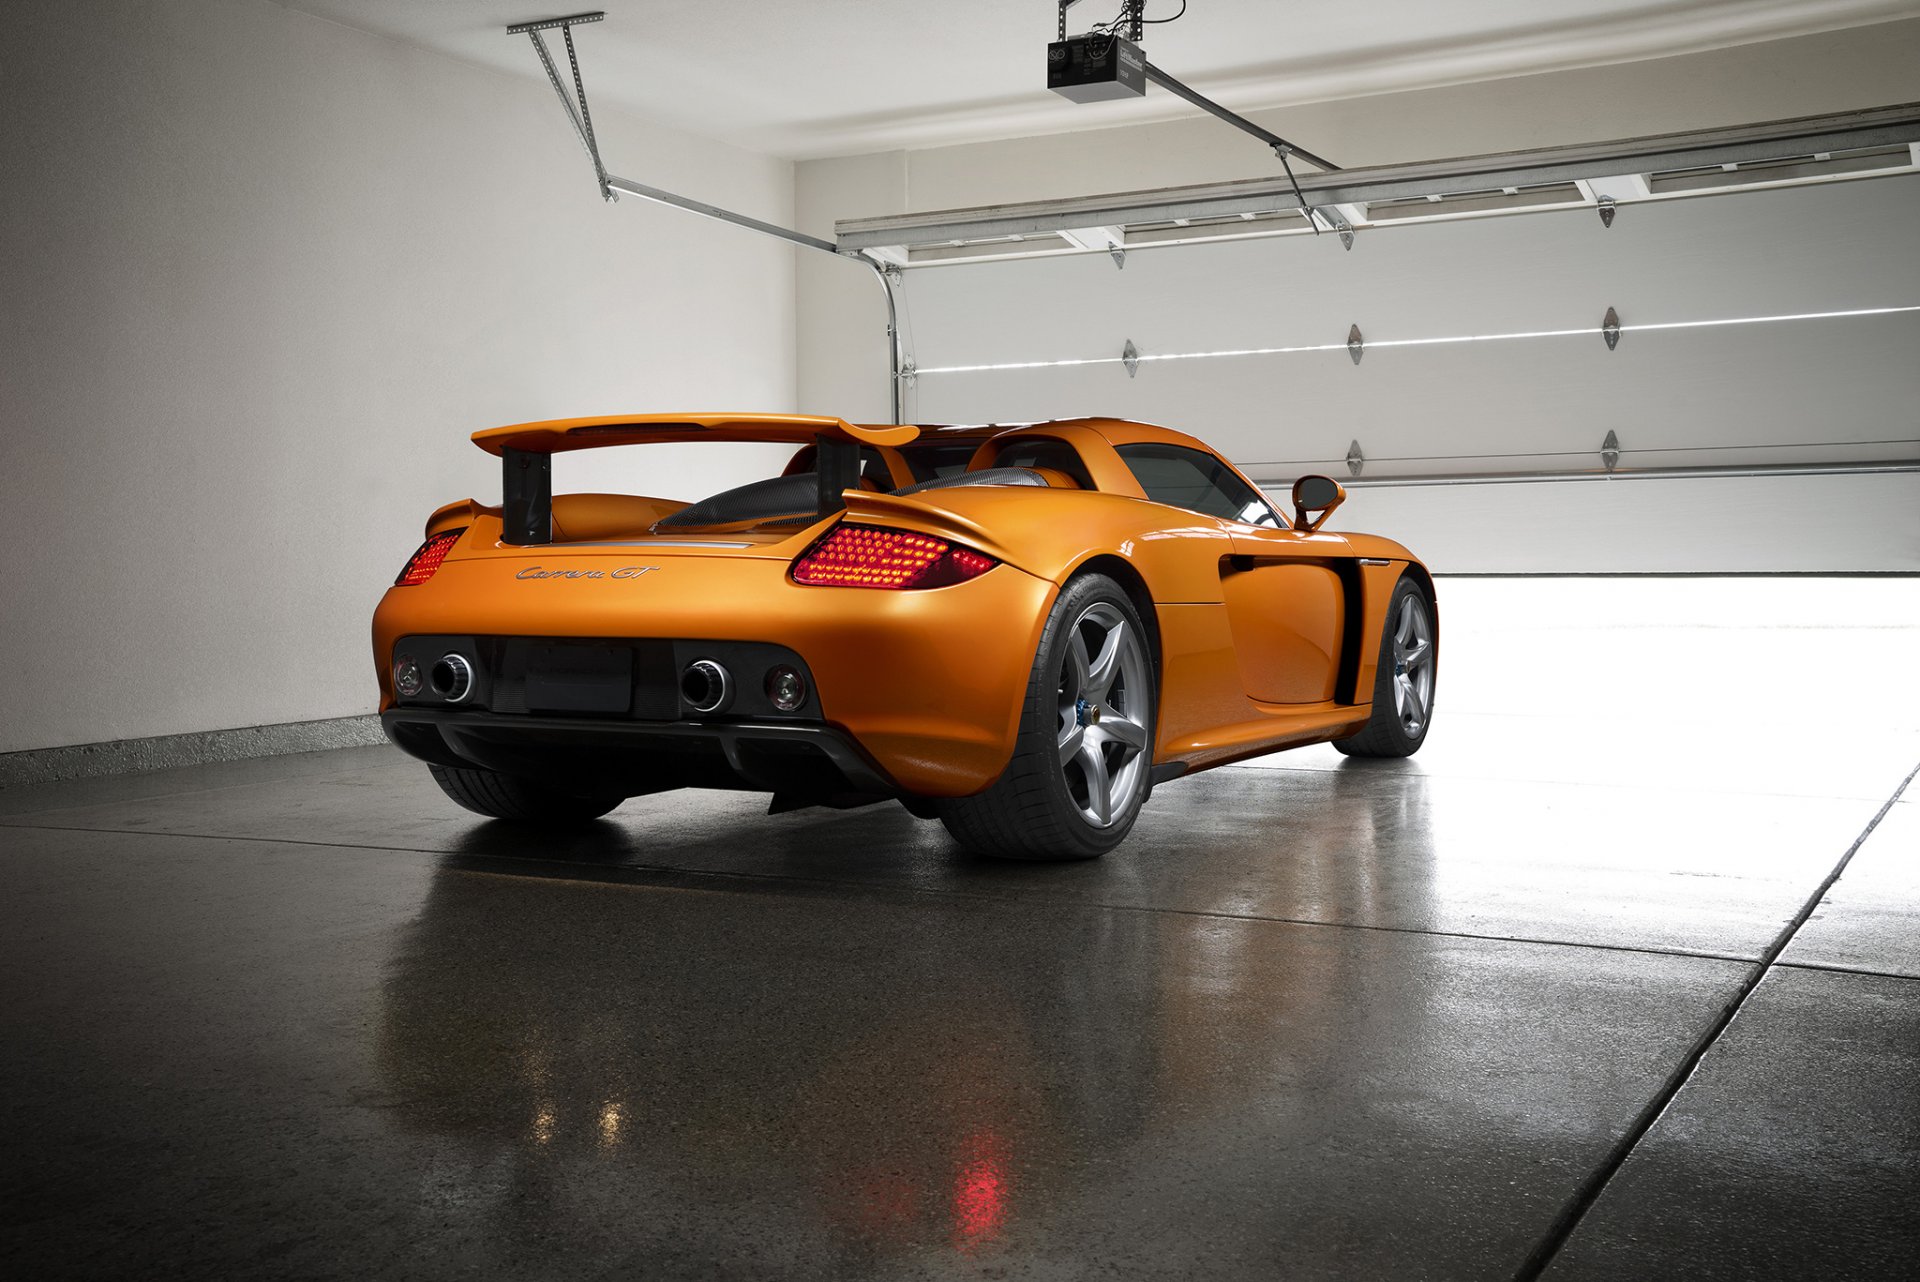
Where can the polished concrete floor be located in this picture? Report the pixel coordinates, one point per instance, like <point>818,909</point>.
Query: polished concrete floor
<point>1465,1016</point>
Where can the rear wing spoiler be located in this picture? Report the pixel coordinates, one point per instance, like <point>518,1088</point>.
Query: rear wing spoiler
<point>526,453</point>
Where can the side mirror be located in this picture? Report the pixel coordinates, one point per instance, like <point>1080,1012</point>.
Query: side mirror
<point>1321,494</point>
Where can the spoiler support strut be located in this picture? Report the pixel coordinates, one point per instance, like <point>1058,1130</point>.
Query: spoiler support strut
<point>836,469</point>
<point>526,497</point>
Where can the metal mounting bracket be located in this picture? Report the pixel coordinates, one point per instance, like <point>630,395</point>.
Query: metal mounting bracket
<point>1610,328</point>
<point>1133,14</point>
<point>1356,344</point>
<point>909,374</point>
<point>1130,357</point>
<point>1333,220</point>
<point>1356,461</point>
<point>1281,147</point>
<point>1119,256</point>
<point>1610,451</point>
<point>1606,211</point>
<point>611,186</point>
<point>549,24</point>
<point>580,118</point>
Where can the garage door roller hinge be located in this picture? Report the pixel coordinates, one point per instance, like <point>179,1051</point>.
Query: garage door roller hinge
<point>1333,220</point>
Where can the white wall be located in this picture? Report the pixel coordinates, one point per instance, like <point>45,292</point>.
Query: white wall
<point>260,275</point>
<point>1847,246</point>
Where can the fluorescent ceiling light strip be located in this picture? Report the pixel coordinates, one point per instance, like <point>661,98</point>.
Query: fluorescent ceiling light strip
<point>1371,344</point>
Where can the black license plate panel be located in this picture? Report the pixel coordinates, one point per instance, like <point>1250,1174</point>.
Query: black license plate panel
<point>579,678</point>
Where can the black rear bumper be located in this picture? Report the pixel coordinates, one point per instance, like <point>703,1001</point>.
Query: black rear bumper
<point>637,757</point>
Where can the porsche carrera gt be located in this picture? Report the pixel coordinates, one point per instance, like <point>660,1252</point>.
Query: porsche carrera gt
<point>1019,631</point>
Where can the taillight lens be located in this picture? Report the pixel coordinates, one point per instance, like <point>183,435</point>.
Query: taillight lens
<point>865,556</point>
<point>422,564</point>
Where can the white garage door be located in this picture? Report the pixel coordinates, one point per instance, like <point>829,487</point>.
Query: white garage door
<point>1000,341</point>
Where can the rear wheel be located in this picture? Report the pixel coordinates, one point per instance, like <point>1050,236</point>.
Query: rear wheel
<point>1403,687</point>
<point>501,796</point>
<point>1079,771</point>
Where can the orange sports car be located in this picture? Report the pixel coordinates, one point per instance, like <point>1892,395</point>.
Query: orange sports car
<point>1019,631</point>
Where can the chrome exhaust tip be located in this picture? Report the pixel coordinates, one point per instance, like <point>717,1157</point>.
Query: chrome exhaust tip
<point>706,686</point>
<point>451,677</point>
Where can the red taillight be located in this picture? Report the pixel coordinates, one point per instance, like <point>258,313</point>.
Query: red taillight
<point>865,556</point>
<point>422,564</point>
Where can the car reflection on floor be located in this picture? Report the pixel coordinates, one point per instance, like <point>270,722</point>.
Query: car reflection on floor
<point>887,1090</point>
<point>895,1079</point>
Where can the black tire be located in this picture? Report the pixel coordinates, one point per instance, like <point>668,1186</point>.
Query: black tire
<point>501,796</point>
<point>1403,688</point>
<point>1077,756</point>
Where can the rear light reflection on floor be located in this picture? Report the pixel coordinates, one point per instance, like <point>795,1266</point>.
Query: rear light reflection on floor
<point>980,1191</point>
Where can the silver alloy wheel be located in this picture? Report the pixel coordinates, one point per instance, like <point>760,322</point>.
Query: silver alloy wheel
<point>1413,664</point>
<point>1104,713</point>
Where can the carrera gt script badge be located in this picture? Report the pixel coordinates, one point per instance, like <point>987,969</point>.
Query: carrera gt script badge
<point>624,572</point>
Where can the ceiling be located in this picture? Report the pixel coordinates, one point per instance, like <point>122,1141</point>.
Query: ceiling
<point>840,77</point>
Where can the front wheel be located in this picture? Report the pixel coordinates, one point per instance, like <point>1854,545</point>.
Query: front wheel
<point>1403,687</point>
<point>1079,771</point>
<point>499,796</point>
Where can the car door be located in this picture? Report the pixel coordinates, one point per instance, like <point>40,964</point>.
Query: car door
<point>1284,590</point>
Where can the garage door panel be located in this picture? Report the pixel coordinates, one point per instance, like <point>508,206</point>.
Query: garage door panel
<point>1762,525</point>
<point>1722,525</point>
<point>1794,250</point>
<point>1806,391</point>
<point>1755,387</point>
